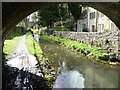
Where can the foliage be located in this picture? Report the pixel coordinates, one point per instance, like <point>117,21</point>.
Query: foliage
<point>10,43</point>
<point>63,11</point>
<point>12,39</point>
<point>60,13</point>
<point>69,25</point>
<point>85,29</point>
<point>59,28</point>
<point>49,15</point>
<point>75,9</point>
<point>33,47</point>
<point>75,45</point>
<point>29,44</point>
<point>35,31</point>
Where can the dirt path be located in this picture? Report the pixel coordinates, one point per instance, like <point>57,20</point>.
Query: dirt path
<point>21,71</point>
<point>22,59</point>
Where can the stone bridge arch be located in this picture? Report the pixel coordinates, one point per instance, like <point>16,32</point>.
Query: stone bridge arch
<point>14,12</point>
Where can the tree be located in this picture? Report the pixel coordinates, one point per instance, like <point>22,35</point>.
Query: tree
<point>51,14</point>
<point>63,13</point>
<point>48,15</point>
<point>75,10</point>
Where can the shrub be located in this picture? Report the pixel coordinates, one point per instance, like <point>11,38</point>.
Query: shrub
<point>85,29</point>
<point>33,47</point>
<point>10,44</point>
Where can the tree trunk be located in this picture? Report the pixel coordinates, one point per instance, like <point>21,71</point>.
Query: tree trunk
<point>51,24</point>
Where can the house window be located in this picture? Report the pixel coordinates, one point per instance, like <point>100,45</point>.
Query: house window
<point>102,26</point>
<point>92,15</point>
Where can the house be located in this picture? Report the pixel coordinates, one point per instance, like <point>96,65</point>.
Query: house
<point>94,21</point>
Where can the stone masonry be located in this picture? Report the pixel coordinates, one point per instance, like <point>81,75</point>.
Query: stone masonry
<point>104,40</point>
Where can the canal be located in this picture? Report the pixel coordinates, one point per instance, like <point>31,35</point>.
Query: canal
<point>77,71</point>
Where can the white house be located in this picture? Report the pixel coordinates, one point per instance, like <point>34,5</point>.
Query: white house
<point>94,21</point>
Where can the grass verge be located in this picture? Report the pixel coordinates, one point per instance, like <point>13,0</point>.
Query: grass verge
<point>9,45</point>
<point>35,49</point>
<point>77,46</point>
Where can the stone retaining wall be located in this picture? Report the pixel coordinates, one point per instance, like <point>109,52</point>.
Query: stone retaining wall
<point>105,40</point>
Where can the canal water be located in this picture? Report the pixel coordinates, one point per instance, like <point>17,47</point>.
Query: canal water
<point>77,71</point>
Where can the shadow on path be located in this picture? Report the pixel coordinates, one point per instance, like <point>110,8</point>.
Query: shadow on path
<point>15,79</point>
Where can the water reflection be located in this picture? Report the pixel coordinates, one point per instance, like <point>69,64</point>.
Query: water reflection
<point>96,75</point>
<point>68,79</point>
